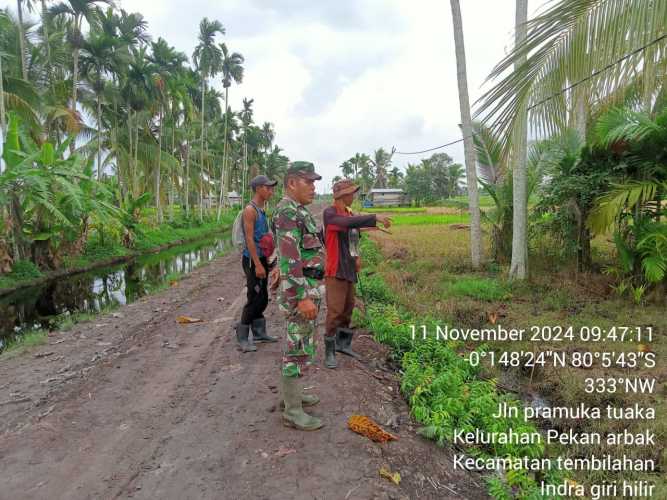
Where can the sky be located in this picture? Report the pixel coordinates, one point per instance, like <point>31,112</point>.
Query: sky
<point>346,76</point>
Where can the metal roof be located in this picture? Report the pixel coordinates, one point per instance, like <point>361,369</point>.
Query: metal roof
<point>386,190</point>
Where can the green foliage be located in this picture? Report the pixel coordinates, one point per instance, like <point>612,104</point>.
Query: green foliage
<point>435,178</point>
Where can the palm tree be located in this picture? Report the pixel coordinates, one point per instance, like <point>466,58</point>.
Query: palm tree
<point>232,70</point>
<point>76,11</point>
<point>381,161</point>
<point>347,167</point>
<point>96,60</point>
<point>208,59</point>
<point>246,121</point>
<point>166,62</point>
<point>269,135</point>
<point>468,146</point>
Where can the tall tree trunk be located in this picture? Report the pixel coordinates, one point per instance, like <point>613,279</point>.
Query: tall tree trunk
<point>468,146</point>
<point>24,63</point>
<point>187,177</point>
<point>171,177</point>
<point>130,163</point>
<point>158,207</point>
<point>3,123</point>
<point>224,158</point>
<point>45,27</point>
<point>136,156</point>
<point>201,145</point>
<point>519,264</point>
<point>75,76</point>
<point>99,138</point>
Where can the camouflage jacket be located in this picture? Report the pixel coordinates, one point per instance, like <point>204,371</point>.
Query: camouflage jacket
<point>299,247</point>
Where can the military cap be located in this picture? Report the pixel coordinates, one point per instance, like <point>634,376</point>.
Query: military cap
<point>303,169</point>
<point>346,186</point>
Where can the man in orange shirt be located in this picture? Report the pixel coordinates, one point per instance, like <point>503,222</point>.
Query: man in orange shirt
<point>343,263</point>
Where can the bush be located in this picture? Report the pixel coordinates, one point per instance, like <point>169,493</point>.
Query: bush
<point>24,270</point>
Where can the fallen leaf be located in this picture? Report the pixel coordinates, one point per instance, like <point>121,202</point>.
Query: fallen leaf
<point>184,320</point>
<point>493,317</point>
<point>643,348</point>
<point>394,477</point>
<point>366,427</point>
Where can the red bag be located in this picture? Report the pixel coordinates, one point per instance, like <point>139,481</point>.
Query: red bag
<point>266,245</point>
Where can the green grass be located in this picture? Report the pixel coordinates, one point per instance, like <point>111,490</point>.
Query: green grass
<point>23,270</point>
<point>24,342</point>
<point>477,288</point>
<point>151,237</point>
<point>429,219</point>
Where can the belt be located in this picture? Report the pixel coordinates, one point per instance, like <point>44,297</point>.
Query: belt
<point>313,272</point>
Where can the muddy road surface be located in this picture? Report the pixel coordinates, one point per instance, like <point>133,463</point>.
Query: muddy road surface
<point>135,405</point>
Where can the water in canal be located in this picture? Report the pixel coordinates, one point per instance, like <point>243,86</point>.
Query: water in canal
<point>44,305</point>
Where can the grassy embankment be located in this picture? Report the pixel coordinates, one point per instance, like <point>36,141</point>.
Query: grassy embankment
<point>149,238</point>
<point>426,274</point>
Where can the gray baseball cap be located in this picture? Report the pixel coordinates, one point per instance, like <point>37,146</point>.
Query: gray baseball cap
<point>261,180</point>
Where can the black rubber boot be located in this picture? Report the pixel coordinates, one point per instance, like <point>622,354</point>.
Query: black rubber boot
<point>330,352</point>
<point>242,332</point>
<point>259,331</point>
<point>344,342</point>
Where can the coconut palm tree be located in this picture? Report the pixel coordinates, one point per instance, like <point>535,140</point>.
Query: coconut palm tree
<point>76,11</point>
<point>468,146</point>
<point>96,61</point>
<point>208,60</point>
<point>232,71</point>
<point>166,62</point>
<point>381,161</point>
<point>246,121</point>
<point>269,135</point>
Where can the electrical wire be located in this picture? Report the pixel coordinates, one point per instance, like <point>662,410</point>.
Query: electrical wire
<point>547,99</point>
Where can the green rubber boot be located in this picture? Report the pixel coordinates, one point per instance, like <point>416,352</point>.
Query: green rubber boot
<point>294,416</point>
<point>306,400</point>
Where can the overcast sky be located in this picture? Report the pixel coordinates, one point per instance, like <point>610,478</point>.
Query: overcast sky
<point>346,76</point>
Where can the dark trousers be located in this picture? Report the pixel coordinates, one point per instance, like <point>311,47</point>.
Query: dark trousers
<point>340,304</point>
<point>258,294</point>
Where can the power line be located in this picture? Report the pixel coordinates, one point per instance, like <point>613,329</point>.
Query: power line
<point>547,99</point>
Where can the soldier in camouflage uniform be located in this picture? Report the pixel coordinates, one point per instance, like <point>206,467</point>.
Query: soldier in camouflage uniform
<point>301,263</point>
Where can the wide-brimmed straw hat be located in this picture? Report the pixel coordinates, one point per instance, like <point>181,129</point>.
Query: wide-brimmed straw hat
<point>346,186</point>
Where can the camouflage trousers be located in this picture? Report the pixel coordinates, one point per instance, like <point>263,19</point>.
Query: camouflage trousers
<point>299,347</point>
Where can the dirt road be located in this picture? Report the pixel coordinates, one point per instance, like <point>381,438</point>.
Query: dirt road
<point>134,405</point>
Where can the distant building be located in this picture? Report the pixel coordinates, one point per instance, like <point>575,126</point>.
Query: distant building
<point>233,198</point>
<point>391,197</point>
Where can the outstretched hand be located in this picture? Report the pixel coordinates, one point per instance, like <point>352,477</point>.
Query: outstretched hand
<point>384,220</point>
